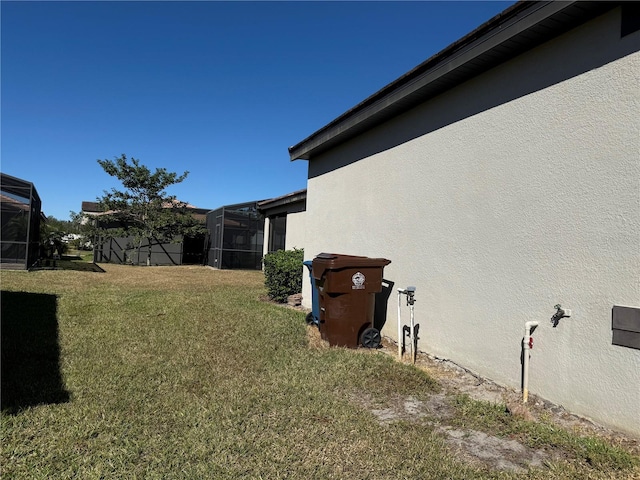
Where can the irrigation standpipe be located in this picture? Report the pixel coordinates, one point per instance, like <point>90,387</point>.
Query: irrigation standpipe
<point>410,293</point>
<point>527,344</point>
<point>400,329</point>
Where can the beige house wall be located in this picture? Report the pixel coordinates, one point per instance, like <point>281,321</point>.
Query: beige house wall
<point>514,192</point>
<point>296,230</point>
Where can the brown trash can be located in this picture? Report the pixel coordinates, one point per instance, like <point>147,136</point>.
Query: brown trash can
<point>347,286</point>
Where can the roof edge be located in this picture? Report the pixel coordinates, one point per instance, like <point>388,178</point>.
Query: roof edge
<point>292,197</point>
<point>383,104</point>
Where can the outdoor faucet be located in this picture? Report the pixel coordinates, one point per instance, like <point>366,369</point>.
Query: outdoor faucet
<point>560,313</point>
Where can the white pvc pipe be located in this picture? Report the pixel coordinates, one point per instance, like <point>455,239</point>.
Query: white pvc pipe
<point>525,363</point>
<point>400,329</point>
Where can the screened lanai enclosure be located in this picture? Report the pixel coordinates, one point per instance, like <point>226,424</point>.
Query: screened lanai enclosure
<point>20,215</point>
<point>189,250</point>
<point>125,250</point>
<point>236,236</point>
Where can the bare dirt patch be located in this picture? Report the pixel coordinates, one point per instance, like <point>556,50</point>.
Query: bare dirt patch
<point>499,453</point>
<point>408,409</point>
<point>475,447</point>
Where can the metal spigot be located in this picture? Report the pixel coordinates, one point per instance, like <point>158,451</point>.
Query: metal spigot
<point>560,313</point>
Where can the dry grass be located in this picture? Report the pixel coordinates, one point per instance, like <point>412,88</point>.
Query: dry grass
<point>183,372</point>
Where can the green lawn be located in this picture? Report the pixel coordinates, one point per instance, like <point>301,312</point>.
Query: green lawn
<point>184,372</point>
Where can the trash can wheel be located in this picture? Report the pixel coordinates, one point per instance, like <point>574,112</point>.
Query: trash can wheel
<point>370,338</point>
<point>310,319</point>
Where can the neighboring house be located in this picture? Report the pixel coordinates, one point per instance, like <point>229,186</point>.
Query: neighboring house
<point>20,217</point>
<point>186,251</point>
<point>284,226</point>
<point>502,177</point>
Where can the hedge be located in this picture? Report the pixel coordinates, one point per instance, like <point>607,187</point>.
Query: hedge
<point>283,273</point>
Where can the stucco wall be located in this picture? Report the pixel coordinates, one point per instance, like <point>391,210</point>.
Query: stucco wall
<point>511,193</point>
<point>296,230</point>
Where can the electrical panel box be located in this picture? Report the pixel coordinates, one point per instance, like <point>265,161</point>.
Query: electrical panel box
<point>625,323</point>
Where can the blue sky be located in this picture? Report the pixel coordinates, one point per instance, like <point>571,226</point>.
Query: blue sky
<point>220,89</point>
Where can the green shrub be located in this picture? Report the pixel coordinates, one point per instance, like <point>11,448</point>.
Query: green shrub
<point>283,273</point>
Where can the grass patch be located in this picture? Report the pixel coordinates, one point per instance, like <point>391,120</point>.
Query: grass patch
<point>182,372</point>
<point>590,452</point>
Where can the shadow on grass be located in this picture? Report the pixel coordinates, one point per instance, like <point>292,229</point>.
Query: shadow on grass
<point>30,351</point>
<point>79,266</point>
<point>69,262</point>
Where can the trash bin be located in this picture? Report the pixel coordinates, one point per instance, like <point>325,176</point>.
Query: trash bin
<point>347,287</point>
<point>313,317</point>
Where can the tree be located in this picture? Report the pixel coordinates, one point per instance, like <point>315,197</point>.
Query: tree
<point>143,210</point>
<point>51,239</point>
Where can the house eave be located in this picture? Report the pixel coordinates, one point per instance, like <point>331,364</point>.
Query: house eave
<point>294,197</point>
<point>519,28</point>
